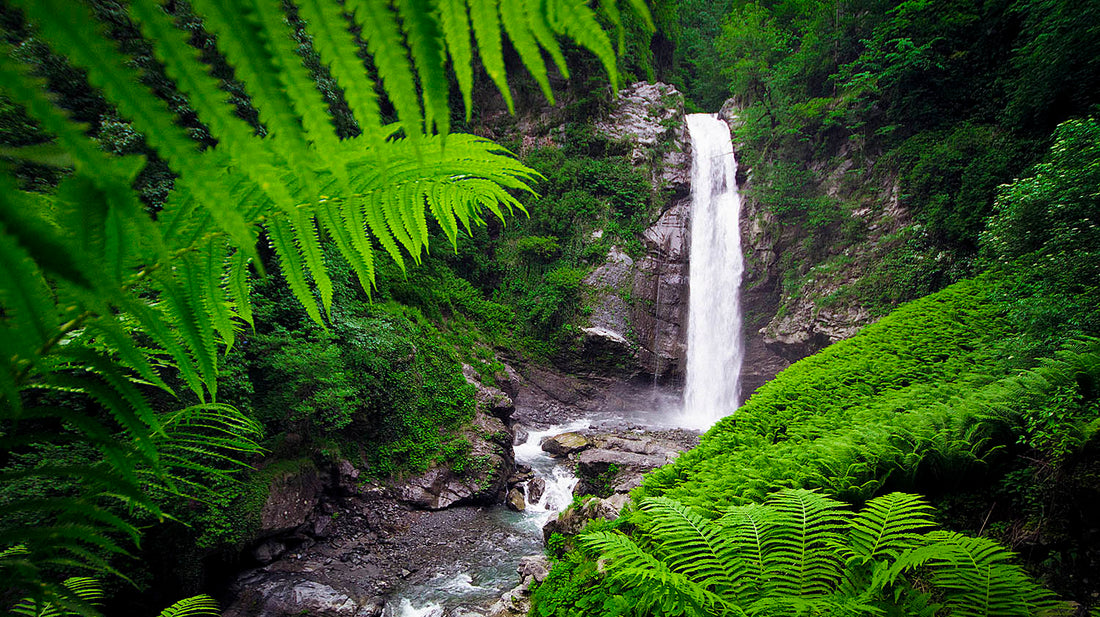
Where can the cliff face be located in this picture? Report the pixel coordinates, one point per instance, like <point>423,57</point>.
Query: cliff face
<point>639,306</point>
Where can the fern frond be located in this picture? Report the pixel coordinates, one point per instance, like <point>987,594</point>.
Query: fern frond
<point>212,266</point>
<point>425,41</point>
<point>181,295</point>
<point>692,545</point>
<point>888,525</point>
<point>337,49</point>
<point>798,556</point>
<point>86,591</point>
<point>977,579</point>
<point>387,48</point>
<point>196,606</point>
<point>486,22</point>
<point>536,21</point>
<point>293,266</point>
<point>67,26</point>
<point>658,584</point>
<point>514,17</point>
<point>575,19</point>
<point>456,34</point>
<point>238,287</point>
<point>743,527</point>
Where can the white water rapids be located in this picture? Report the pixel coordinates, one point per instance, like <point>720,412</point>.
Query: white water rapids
<point>714,346</point>
<point>463,588</point>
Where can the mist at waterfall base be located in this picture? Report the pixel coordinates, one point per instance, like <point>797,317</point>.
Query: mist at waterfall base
<point>714,348</point>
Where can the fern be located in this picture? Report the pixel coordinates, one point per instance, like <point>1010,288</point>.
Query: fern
<point>99,300</point>
<point>802,553</point>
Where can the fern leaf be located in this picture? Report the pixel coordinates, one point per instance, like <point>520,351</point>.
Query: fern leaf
<point>976,577</point>
<point>888,525</point>
<point>241,39</point>
<point>66,26</point>
<point>196,606</point>
<point>486,22</point>
<point>86,591</point>
<point>25,300</point>
<point>743,528</point>
<point>290,260</point>
<point>691,544</point>
<point>306,101</point>
<point>516,24</point>
<point>369,209</point>
<point>387,48</point>
<point>610,9</point>
<point>305,235</point>
<point>426,48</point>
<point>212,266</point>
<point>157,328</point>
<point>799,559</point>
<point>336,47</point>
<point>358,254</point>
<point>456,34</point>
<point>237,285</point>
<point>658,585</point>
<point>536,21</point>
<point>642,11</point>
<point>575,19</point>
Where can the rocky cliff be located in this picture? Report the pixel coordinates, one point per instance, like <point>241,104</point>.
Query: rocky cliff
<point>639,305</point>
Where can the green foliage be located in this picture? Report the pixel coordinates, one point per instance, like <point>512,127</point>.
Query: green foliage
<point>106,302</point>
<point>803,552</point>
<point>1053,212</point>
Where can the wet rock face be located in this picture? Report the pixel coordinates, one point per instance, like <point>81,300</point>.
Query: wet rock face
<point>660,290</point>
<point>783,327</point>
<point>289,597</point>
<point>647,331</point>
<point>291,498</point>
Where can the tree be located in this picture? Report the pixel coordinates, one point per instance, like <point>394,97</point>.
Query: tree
<point>103,302</point>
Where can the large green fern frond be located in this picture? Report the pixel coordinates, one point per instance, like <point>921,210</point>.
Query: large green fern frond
<point>799,544</point>
<point>659,585</point>
<point>692,545</point>
<point>195,606</point>
<point>888,525</point>
<point>977,578</point>
<point>101,299</point>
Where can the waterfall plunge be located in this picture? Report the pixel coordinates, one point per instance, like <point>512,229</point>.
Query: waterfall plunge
<point>714,348</point>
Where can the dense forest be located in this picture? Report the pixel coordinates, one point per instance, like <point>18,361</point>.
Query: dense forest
<point>245,242</point>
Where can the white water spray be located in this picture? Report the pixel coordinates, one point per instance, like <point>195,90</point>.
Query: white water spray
<point>714,347</point>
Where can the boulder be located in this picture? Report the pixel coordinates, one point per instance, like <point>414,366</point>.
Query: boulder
<point>277,596</point>
<point>291,497</point>
<point>268,551</point>
<point>564,444</point>
<point>515,500</point>
<point>492,400</point>
<point>574,519</point>
<point>594,462</point>
<point>536,566</point>
<point>535,488</point>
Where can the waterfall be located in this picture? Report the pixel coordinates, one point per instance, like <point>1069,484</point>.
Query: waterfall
<point>714,347</point>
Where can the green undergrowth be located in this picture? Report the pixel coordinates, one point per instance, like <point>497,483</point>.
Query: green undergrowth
<point>968,396</point>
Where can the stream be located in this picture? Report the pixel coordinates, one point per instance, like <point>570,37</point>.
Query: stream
<point>489,567</point>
